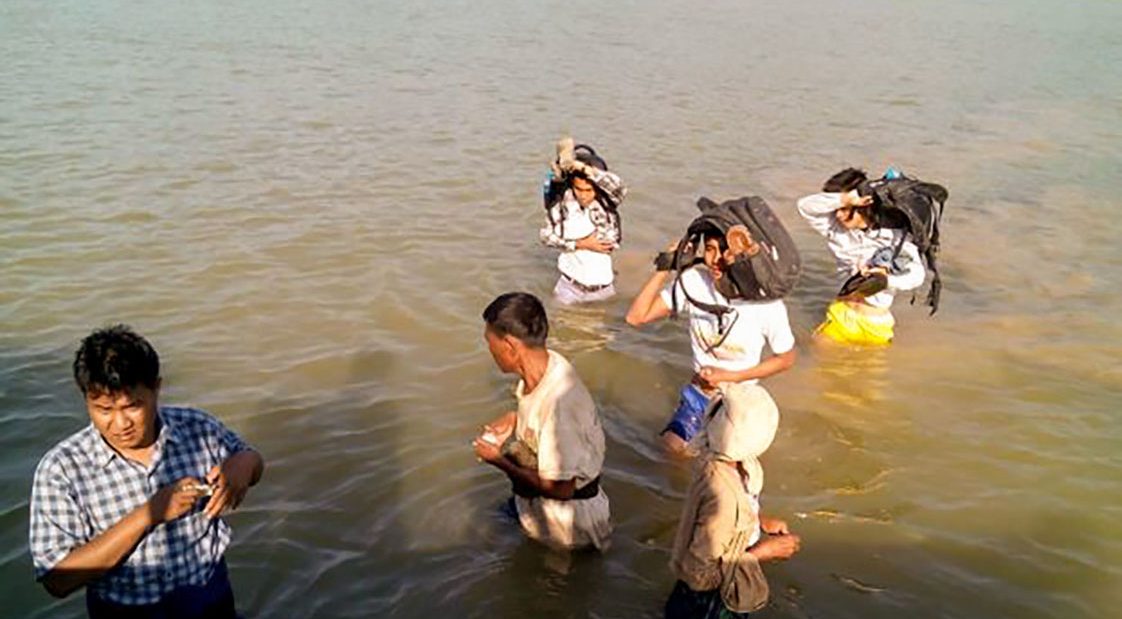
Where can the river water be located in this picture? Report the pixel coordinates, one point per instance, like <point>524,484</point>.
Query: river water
<point>306,206</point>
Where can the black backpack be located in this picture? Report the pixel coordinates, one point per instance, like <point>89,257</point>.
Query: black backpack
<point>916,207</point>
<point>771,273</point>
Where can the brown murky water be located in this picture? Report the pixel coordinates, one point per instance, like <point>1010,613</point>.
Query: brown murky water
<point>306,207</point>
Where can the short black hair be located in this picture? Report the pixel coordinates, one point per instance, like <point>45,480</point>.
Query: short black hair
<point>518,314</point>
<point>711,231</point>
<point>846,180</point>
<point>114,360</point>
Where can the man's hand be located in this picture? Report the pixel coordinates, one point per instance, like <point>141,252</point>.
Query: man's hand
<point>487,451</point>
<point>774,526</point>
<point>593,243</point>
<point>501,426</point>
<point>230,481</point>
<point>714,376</point>
<point>174,500</point>
<point>852,199</point>
<point>776,548</point>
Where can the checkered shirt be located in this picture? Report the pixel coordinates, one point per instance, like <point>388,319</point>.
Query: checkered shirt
<point>82,487</point>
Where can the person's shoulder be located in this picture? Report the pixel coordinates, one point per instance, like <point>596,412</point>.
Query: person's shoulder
<point>709,479</point>
<point>68,453</point>
<point>566,374</point>
<point>189,419</point>
<point>568,385</point>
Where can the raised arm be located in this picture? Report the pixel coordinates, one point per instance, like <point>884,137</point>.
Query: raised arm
<point>609,183</point>
<point>649,305</point>
<point>818,210</point>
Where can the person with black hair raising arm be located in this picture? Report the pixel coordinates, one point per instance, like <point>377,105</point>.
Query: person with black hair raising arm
<point>130,506</point>
<point>582,200</point>
<point>874,262</point>
<point>552,447</point>
<point>726,349</point>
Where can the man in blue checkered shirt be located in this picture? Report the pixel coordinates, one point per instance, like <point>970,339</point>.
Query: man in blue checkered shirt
<point>130,505</point>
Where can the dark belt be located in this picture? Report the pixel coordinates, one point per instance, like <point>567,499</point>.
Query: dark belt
<point>587,491</point>
<point>584,287</point>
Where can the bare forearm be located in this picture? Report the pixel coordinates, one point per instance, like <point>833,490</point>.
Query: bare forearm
<point>503,420</point>
<point>250,461</point>
<point>561,490</point>
<point>768,367</point>
<point>99,555</point>
<point>647,305</point>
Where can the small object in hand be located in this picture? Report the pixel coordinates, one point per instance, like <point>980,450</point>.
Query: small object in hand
<point>490,438</point>
<point>202,489</point>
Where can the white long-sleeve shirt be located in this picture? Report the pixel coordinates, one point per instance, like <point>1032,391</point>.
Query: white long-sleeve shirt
<point>853,249</point>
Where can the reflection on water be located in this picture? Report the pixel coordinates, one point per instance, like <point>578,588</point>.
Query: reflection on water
<point>307,210</point>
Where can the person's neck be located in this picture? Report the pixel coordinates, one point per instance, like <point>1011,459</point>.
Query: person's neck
<point>532,368</point>
<point>143,455</point>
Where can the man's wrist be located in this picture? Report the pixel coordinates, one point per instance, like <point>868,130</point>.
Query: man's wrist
<point>146,513</point>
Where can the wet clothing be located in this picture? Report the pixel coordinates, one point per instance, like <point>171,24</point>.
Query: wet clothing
<point>567,222</point>
<point>213,600</point>
<point>854,249</point>
<point>559,422</point>
<point>569,292</point>
<point>689,417</point>
<point>720,521</point>
<point>82,487</point>
<point>685,603</point>
<point>848,325</point>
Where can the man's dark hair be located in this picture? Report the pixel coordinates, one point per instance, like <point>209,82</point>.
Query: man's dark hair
<point>114,360</point>
<point>711,231</point>
<point>846,180</point>
<point>518,314</point>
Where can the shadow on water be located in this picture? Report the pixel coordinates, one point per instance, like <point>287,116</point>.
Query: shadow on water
<point>354,516</point>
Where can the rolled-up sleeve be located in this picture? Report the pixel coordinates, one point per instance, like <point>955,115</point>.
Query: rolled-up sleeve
<point>229,442</point>
<point>57,522</point>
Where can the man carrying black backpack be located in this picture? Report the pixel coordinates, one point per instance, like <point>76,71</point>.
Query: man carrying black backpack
<point>728,327</point>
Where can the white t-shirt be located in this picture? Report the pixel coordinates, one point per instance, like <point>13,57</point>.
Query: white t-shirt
<point>559,421</point>
<point>756,323</point>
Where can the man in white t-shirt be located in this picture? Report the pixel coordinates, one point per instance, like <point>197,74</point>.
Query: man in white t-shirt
<point>552,447</point>
<point>726,349</point>
<point>582,220</point>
